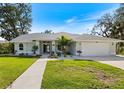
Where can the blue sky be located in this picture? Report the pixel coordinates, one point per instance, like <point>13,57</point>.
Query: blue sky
<point>73,18</point>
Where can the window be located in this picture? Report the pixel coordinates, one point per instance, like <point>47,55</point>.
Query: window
<point>20,46</point>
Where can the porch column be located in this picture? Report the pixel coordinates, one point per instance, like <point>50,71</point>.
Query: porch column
<point>37,44</point>
<point>53,46</point>
<point>41,47</point>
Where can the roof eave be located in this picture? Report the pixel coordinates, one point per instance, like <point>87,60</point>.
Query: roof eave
<point>100,40</point>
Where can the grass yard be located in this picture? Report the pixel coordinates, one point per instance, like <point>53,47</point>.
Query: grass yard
<point>81,74</point>
<point>13,67</point>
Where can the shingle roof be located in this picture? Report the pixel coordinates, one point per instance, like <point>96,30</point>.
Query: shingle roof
<point>54,36</point>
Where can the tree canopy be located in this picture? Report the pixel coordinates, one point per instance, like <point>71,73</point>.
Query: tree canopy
<point>15,19</point>
<point>111,25</point>
<point>47,31</point>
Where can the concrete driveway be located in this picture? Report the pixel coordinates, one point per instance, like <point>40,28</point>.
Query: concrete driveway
<point>117,61</point>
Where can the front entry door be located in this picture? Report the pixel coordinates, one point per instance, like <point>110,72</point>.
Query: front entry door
<point>46,48</point>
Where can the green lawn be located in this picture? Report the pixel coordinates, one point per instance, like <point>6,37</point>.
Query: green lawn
<point>81,74</point>
<point>13,67</point>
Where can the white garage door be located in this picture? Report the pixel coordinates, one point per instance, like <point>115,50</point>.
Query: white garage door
<point>95,49</point>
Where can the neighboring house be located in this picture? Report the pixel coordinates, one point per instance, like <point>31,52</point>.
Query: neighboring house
<point>89,45</point>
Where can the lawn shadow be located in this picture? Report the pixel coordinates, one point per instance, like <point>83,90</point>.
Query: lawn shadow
<point>83,60</point>
<point>19,56</point>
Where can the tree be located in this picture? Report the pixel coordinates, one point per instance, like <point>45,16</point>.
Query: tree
<point>120,21</point>
<point>64,42</point>
<point>6,48</point>
<point>48,31</point>
<point>104,26</point>
<point>15,19</point>
<point>111,26</point>
<point>34,49</point>
<point>120,26</point>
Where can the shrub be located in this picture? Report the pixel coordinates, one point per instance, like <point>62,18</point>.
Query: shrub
<point>59,54</point>
<point>6,48</point>
<point>21,54</point>
<point>53,55</point>
<point>34,49</point>
<point>65,55</point>
<point>68,53</point>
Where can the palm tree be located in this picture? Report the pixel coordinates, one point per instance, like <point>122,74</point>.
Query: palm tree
<point>64,42</point>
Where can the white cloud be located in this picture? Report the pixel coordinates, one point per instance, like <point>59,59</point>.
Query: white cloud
<point>76,24</point>
<point>97,15</point>
<point>94,16</point>
<point>71,20</point>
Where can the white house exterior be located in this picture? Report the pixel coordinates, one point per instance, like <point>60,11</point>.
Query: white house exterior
<point>89,45</point>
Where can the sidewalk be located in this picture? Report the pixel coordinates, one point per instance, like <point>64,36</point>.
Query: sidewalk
<point>32,77</point>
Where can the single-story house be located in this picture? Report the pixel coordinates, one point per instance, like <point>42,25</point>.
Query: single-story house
<point>89,45</point>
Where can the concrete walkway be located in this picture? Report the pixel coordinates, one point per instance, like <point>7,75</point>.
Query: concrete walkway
<point>32,77</point>
<point>118,64</point>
